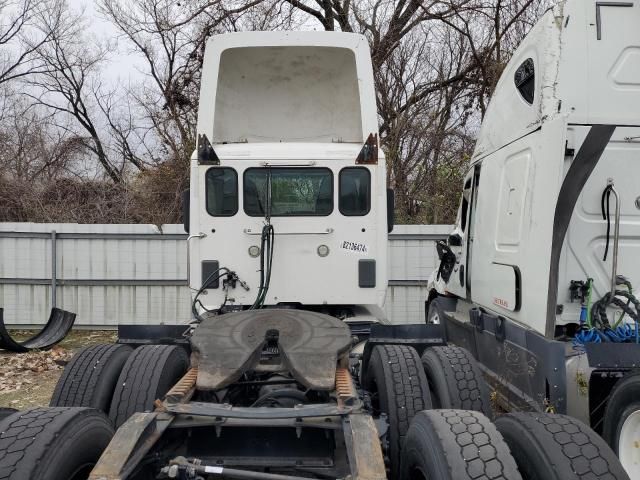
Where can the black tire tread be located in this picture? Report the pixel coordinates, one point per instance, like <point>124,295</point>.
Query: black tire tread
<point>467,387</point>
<point>407,390</point>
<point>469,443</point>
<point>571,449</point>
<point>6,411</point>
<point>26,437</point>
<point>138,384</point>
<point>78,382</point>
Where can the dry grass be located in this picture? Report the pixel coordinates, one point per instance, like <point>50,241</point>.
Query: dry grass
<point>28,379</point>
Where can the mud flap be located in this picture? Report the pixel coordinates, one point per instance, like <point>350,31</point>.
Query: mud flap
<point>57,327</point>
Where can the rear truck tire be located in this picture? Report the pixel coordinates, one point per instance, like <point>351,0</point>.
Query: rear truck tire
<point>558,447</point>
<point>455,380</point>
<point>621,426</point>
<point>6,411</point>
<point>455,445</point>
<point>148,374</point>
<point>437,307</point>
<point>398,388</point>
<point>52,443</point>
<point>89,379</point>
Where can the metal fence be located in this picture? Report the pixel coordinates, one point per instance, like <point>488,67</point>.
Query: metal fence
<point>110,274</point>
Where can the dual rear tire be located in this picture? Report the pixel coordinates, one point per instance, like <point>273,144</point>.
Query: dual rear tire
<point>119,381</point>
<point>465,445</point>
<point>89,379</point>
<point>455,445</point>
<point>422,443</point>
<point>65,440</point>
<point>459,443</point>
<point>558,447</point>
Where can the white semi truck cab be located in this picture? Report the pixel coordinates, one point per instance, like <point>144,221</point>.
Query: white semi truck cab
<point>549,221</point>
<point>288,197</point>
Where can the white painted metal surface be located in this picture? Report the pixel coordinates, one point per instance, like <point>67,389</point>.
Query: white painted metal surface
<point>287,106</point>
<point>137,273</point>
<point>583,58</point>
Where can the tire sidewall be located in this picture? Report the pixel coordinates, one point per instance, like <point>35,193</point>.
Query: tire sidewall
<point>176,366</point>
<point>84,449</point>
<point>440,395</point>
<point>107,382</point>
<point>422,439</point>
<point>375,379</point>
<point>161,372</point>
<point>533,465</point>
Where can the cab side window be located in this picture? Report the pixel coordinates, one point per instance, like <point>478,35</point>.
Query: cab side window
<point>525,80</point>
<point>355,191</point>
<point>464,207</point>
<point>222,191</point>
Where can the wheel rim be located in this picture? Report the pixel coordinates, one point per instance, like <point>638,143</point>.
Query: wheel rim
<point>435,318</point>
<point>629,445</point>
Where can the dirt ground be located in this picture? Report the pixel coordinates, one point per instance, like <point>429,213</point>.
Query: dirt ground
<point>28,379</point>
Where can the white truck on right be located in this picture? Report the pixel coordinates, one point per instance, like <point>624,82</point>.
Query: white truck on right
<point>537,279</point>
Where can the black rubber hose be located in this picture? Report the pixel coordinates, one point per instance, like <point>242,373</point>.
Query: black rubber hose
<point>606,215</point>
<point>219,272</point>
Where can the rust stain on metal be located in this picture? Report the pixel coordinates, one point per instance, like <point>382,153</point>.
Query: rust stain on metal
<point>122,445</point>
<point>344,386</point>
<point>159,406</point>
<point>367,461</point>
<point>183,390</point>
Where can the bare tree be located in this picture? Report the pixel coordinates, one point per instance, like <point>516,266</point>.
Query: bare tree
<point>170,38</point>
<point>435,64</point>
<point>67,87</point>
<point>22,34</point>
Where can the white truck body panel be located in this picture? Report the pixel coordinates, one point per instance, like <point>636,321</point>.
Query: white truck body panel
<point>290,99</point>
<point>586,58</point>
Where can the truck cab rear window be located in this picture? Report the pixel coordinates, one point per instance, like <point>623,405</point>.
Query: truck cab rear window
<point>355,191</point>
<point>222,191</point>
<point>294,191</point>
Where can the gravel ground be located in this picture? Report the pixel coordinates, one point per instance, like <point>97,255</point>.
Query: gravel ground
<point>28,379</point>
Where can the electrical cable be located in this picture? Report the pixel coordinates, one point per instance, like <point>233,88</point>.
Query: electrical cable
<point>606,195</point>
<point>599,328</point>
<point>205,285</point>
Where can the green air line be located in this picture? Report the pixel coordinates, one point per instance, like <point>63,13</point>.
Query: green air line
<point>590,282</point>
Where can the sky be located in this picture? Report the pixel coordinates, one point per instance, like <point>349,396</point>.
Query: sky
<point>124,67</point>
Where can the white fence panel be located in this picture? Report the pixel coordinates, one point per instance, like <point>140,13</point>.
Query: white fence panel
<point>136,274</point>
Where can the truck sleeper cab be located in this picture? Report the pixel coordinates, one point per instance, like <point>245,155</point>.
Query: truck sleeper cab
<point>535,245</point>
